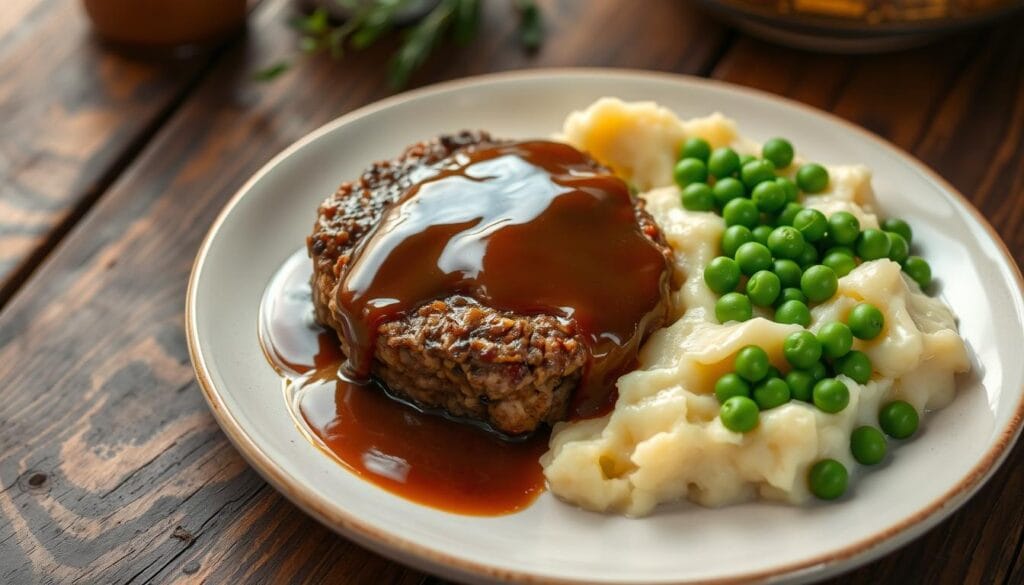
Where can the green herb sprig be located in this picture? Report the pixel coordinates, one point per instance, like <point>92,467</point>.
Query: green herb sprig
<point>369,20</point>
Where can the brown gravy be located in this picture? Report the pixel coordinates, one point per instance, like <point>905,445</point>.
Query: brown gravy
<point>420,456</point>
<point>529,227</point>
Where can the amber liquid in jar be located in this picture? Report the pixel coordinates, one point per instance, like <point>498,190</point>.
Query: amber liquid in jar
<point>158,27</point>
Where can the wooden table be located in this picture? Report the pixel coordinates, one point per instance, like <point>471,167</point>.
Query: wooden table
<point>111,170</point>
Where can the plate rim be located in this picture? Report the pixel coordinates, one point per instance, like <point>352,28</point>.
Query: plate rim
<point>421,556</point>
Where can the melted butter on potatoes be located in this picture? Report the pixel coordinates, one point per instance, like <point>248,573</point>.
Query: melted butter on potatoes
<point>664,440</point>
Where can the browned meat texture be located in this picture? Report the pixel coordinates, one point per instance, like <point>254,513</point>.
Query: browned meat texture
<point>511,371</point>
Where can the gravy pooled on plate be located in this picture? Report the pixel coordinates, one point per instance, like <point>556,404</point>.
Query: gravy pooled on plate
<point>504,285</point>
<point>421,456</point>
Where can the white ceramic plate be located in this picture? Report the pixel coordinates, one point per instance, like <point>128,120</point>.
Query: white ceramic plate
<point>929,477</point>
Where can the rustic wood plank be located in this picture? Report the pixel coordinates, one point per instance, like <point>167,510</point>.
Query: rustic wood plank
<point>958,106</point>
<point>112,468</point>
<point>71,116</point>
<point>892,95</point>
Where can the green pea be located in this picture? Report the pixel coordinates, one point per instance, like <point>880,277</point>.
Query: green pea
<point>836,339</point>
<point>789,188</point>
<point>779,151</point>
<point>868,446</point>
<point>739,414</point>
<point>785,241</point>
<point>818,372</point>
<point>801,349</point>
<point>690,170</point>
<point>809,256</point>
<point>745,158</point>
<point>819,283</point>
<point>872,244</point>
<point>770,393</point>
<point>812,178</point>
<point>751,363</point>
<point>761,234</point>
<point>733,237</point>
<point>788,271</point>
<point>793,312</point>
<point>695,147</point>
<point>865,321</point>
<point>773,372</point>
<point>918,269</point>
<point>840,263</point>
<point>741,211</point>
<point>768,196</point>
<point>856,365</point>
<point>900,227</point>
<point>733,306</point>
<point>757,171</point>
<point>722,275</point>
<point>698,197</point>
<point>791,294</point>
<point>899,250</point>
<point>801,384</point>
<point>824,243</point>
<point>731,385</point>
<point>727,189</point>
<point>830,395</point>
<point>843,227</point>
<point>753,257</point>
<point>789,213</point>
<point>845,250</point>
<point>898,419</point>
<point>827,479</point>
<point>723,162</point>
<point>763,288</point>
<point>812,224</point>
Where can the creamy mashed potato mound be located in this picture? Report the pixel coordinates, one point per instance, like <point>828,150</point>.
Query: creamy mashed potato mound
<point>664,441</point>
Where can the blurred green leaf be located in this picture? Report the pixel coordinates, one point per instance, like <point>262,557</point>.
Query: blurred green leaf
<point>467,16</point>
<point>316,23</point>
<point>336,43</point>
<point>531,24</point>
<point>420,41</point>
<point>369,20</point>
<point>378,19</point>
<point>309,44</point>
<point>271,72</point>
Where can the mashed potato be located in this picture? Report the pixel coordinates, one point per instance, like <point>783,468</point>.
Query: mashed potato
<point>664,441</point>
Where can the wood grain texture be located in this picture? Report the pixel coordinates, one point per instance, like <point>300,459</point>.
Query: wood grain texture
<point>71,116</point>
<point>959,107</point>
<point>112,469</point>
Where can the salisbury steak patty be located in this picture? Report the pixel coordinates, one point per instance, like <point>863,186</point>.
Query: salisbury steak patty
<point>510,370</point>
